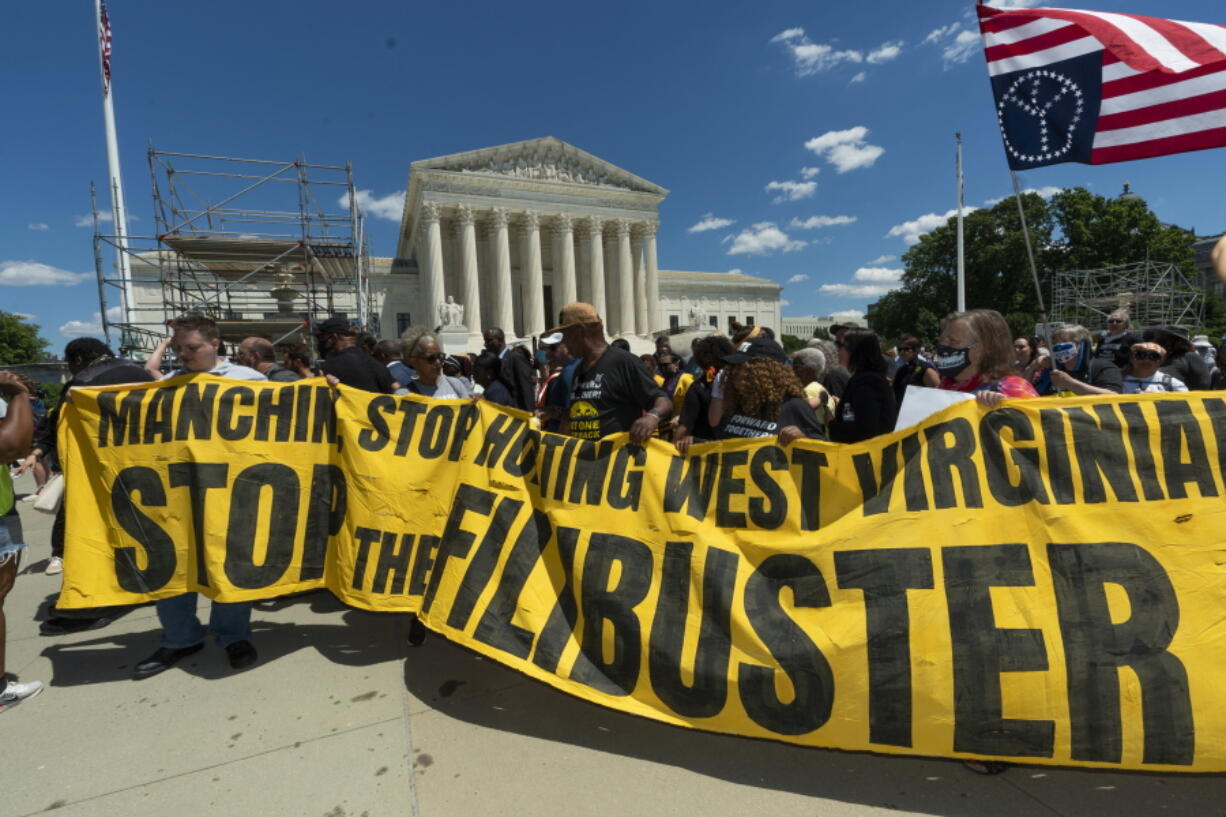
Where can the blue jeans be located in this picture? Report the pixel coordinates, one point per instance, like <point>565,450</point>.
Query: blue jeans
<point>230,622</point>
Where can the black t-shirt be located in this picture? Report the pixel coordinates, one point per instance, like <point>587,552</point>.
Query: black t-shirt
<point>1192,369</point>
<point>795,411</point>
<point>835,380</point>
<point>909,374</point>
<point>866,410</point>
<point>355,368</point>
<point>1115,349</point>
<point>608,397</point>
<point>279,374</point>
<point>695,409</point>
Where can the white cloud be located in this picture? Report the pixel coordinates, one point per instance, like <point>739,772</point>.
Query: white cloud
<point>1042,192</point>
<point>877,275</point>
<point>910,231</point>
<point>858,290</point>
<point>38,227</point>
<point>963,47</point>
<point>784,302</point>
<point>817,222</point>
<point>860,77</point>
<point>809,57</point>
<point>763,238</point>
<point>34,274</point>
<point>79,329</point>
<point>796,279</point>
<point>882,259</point>
<point>848,315</point>
<point>1014,4</point>
<point>938,34</point>
<point>884,53</point>
<point>792,191</point>
<point>735,271</point>
<point>710,221</point>
<point>25,316</point>
<point>809,172</point>
<point>389,207</point>
<point>104,217</point>
<point>846,149</point>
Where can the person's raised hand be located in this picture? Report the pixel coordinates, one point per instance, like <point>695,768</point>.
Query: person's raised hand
<point>11,385</point>
<point>991,399</point>
<point>789,434</point>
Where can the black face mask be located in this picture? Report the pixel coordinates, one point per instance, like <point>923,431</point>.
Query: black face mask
<point>951,362</point>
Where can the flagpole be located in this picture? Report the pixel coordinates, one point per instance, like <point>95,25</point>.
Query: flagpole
<point>1034,270</point>
<point>118,211</point>
<point>961,237</point>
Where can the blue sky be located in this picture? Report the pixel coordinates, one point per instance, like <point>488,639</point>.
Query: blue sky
<point>813,139</point>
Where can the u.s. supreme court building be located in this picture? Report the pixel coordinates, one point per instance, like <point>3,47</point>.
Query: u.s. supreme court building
<point>512,233</point>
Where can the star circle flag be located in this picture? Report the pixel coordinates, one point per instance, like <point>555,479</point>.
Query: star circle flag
<point>1096,87</point>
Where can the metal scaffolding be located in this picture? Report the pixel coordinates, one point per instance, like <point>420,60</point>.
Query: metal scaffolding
<point>248,242</point>
<point>1152,293</point>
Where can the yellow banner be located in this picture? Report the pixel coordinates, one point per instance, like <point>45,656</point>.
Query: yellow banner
<point>1043,582</point>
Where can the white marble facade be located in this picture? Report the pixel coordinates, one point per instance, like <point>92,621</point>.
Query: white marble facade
<point>515,232</point>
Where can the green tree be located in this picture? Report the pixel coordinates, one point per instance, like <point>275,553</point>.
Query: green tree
<point>19,340</point>
<point>821,334</point>
<point>791,343</point>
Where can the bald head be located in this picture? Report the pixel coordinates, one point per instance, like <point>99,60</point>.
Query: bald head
<point>253,351</point>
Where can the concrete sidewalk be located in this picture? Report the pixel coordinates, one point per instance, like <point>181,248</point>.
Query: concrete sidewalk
<point>340,719</point>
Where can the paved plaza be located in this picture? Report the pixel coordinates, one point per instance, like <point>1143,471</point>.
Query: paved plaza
<point>340,719</point>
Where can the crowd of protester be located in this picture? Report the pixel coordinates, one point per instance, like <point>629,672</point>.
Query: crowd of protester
<point>581,383</point>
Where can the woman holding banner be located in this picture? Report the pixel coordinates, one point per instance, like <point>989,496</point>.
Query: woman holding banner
<point>975,354</point>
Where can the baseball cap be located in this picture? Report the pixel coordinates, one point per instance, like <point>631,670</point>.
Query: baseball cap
<point>575,313</point>
<point>760,346</point>
<point>552,339</point>
<point>334,326</point>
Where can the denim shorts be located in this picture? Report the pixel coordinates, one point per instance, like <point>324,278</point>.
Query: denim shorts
<point>8,547</point>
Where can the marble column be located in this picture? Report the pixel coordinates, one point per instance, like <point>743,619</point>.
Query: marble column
<point>470,280</point>
<point>565,289</point>
<point>583,264</point>
<point>596,268</point>
<point>432,270</point>
<point>504,307</point>
<point>651,262</point>
<point>611,292</point>
<point>640,284</point>
<point>533,294</point>
<point>625,280</point>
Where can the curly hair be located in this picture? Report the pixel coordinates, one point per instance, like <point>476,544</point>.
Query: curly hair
<point>412,338</point>
<point>758,387</point>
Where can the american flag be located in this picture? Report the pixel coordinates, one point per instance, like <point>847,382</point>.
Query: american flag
<point>1096,87</point>
<point>104,41</point>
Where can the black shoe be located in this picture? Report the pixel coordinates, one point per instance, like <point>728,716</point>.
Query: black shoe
<point>62,625</point>
<point>242,654</point>
<point>417,632</point>
<point>162,660</point>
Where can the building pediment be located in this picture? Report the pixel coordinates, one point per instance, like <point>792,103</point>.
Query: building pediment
<point>546,160</point>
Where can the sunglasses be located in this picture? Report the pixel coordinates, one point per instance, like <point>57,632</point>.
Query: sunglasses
<point>439,358</point>
<point>1146,356</point>
<point>1114,320</point>
<point>908,348</point>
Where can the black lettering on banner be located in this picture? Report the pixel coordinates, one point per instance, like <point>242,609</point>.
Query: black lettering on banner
<point>1216,409</point>
<point>915,489</point>
<point>1056,449</point>
<point>626,487</point>
<point>411,410</point>
<point>521,456</point>
<point>944,457</point>
<point>323,426</point>
<point>563,470</point>
<point>159,416</point>
<point>1029,487</point>
<point>436,431</point>
<point>226,428</point>
<point>811,464</point>
<point>885,576</point>
<point>456,541</point>
<point>876,493</point>
<point>798,657</point>
<point>160,556</point>
<point>378,435</point>
<point>1096,648</point>
<point>1177,427</point>
<point>591,466</point>
<point>326,506</point>
<point>281,409</point>
<point>465,423</point>
<point>495,627</point>
<point>982,651</point>
<point>706,695</point>
<point>771,509</point>
<point>423,561</point>
<point>122,424</point>
<point>727,487</point>
<point>615,606</point>
<point>560,625</point>
<point>1142,455</point>
<point>245,500</point>
<point>366,537</point>
<point>302,413</point>
<point>393,564</point>
<point>1099,447</point>
<point>688,484</point>
<point>498,434</point>
<point>198,478</point>
<point>195,417</point>
<point>549,461</point>
<point>481,566</point>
